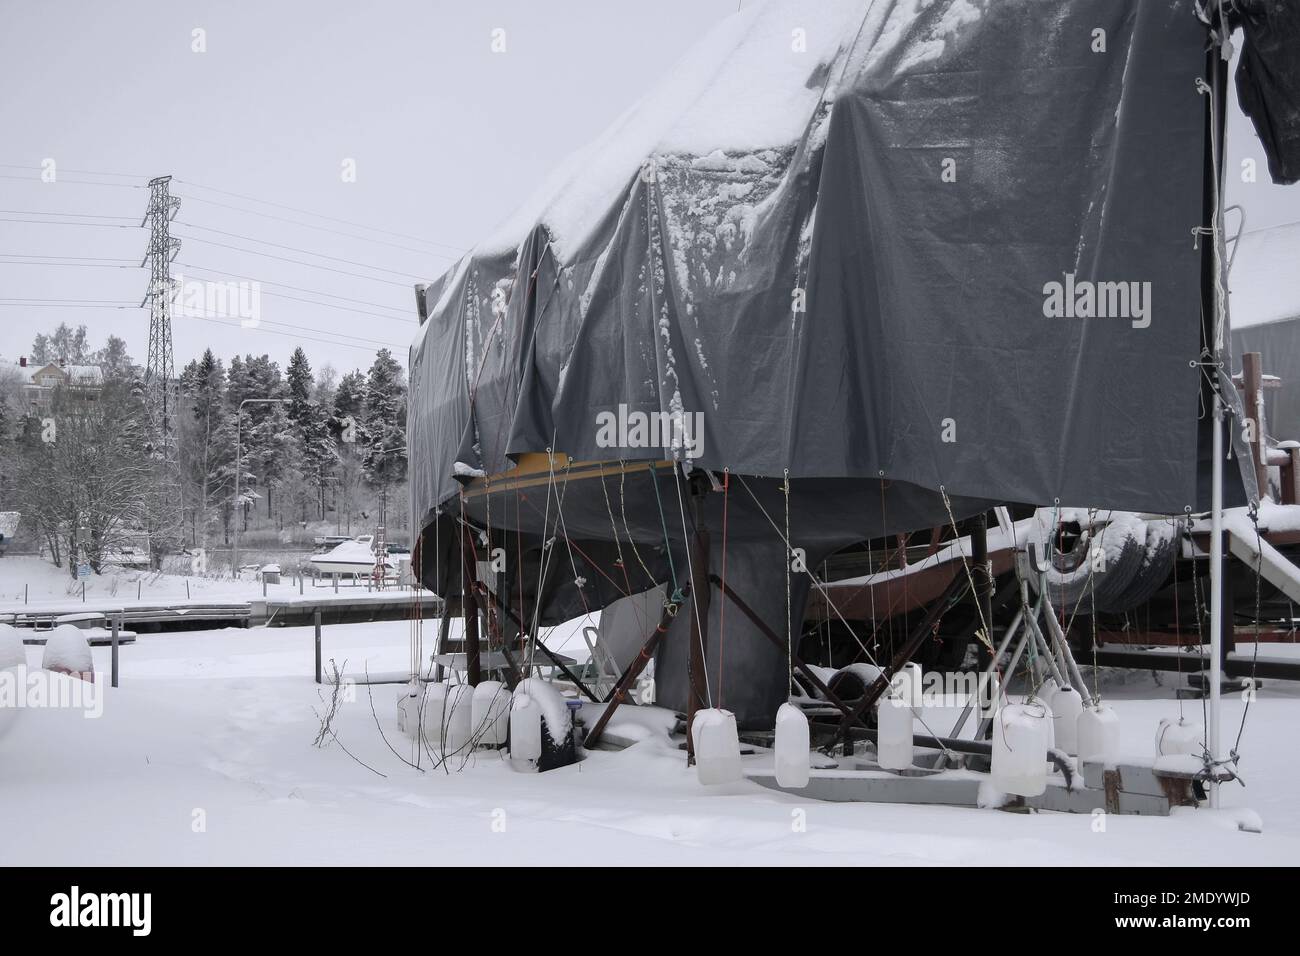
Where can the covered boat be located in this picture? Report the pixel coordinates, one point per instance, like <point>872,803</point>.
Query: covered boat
<point>852,269</point>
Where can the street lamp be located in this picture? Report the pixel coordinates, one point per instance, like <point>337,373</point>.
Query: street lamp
<point>239,457</point>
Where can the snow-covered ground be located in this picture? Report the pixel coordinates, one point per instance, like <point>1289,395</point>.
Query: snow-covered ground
<point>38,583</point>
<point>216,728</point>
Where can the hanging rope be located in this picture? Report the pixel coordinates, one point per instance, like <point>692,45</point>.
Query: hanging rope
<point>987,634</point>
<point>700,625</point>
<point>676,597</point>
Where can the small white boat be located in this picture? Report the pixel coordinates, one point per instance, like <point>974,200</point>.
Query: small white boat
<point>356,557</point>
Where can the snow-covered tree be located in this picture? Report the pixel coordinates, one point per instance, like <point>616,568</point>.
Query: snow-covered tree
<point>310,422</point>
<point>207,446</point>
<point>384,458</point>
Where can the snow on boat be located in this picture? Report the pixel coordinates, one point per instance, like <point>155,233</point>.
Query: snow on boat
<point>356,557</point>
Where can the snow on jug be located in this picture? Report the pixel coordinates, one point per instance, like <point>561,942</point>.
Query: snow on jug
<point>792,746</point>
<point>1020,749</point>
<point>1179,736</point>
<point>525,728</point>
<point>717,746</point>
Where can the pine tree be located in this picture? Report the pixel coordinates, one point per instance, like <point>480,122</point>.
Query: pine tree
<point>311,428</point>
<point>265,435</point>
<point>384,417</point>
<point>207,445</point>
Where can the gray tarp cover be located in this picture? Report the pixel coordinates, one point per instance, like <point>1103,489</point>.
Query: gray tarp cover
<point>923,214</point>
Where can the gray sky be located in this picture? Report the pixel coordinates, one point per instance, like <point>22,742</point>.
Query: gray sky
<point>447,137</point>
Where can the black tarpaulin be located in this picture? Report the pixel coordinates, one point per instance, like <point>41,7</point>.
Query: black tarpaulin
<point>1268,80</point>
<point>872,297</point>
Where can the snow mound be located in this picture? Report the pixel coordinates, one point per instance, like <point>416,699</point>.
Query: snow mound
<point>11,648</point>
<point>68,651</point>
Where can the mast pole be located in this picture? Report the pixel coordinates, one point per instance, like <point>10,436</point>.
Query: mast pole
<point>1217,63</point>
<point>1216,594</point>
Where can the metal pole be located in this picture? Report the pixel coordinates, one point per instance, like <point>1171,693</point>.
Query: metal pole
<point>117,621</point>
<point>1063,648</point>
<point>696,661</point>
<point>633,671</point>
<point>1216,590</point>
<point>469,605</point>
<point>981,573</point>
<point>316,622</point>
<point>988,672</point>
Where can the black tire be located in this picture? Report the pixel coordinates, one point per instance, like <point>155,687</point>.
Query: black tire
<point>1158,562</point>
<point>1072,584</point>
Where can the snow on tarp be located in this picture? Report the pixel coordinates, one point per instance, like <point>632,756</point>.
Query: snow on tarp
<point>970,154</point>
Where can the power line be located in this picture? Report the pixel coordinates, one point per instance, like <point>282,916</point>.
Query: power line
<point>65,305</point>
<point>292,328</point>
<point>15,299</point>
<point>306,252</point>
<point>83,215</point>
<point>299,262</point>
<point>20,255</point>
<point>284,285</point>
<point>336,232</point>
<point>71,265</point>
<point>79,172</point>
<point>246,198</point>
<point>307,212</point>
<point>293,335</point>
<point>343,308</point>
<point>69,182</point>
<point>46,222</point>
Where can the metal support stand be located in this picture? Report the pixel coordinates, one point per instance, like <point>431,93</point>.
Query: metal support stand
<point>696,660</point>
<point>469,603</point>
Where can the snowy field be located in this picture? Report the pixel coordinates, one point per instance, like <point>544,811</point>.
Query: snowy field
<point>40,584</point>
<point>216,727</point>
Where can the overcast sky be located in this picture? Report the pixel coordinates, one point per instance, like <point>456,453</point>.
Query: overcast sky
<point>446,135</point>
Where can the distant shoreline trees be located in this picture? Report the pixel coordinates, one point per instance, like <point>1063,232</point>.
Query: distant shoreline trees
<point>336,441</point>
